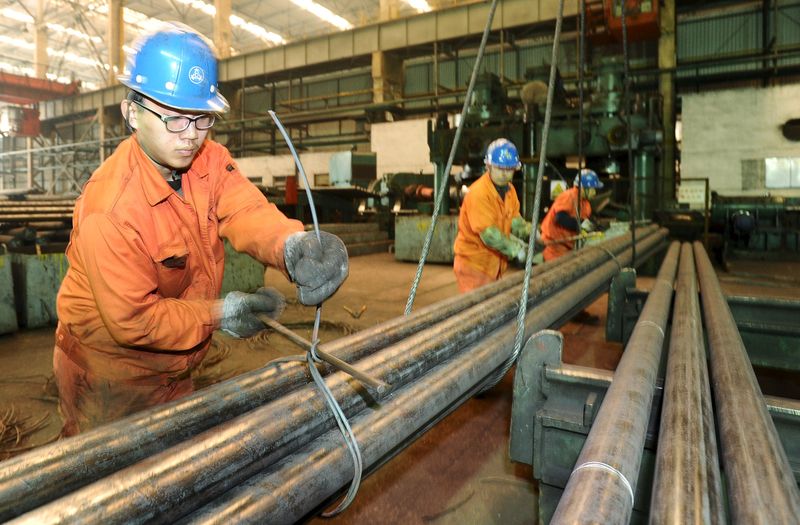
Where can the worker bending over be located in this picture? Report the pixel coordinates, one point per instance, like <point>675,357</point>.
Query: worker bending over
<point>561,225</point>
<point>140,300</point>
<point>490,228</point>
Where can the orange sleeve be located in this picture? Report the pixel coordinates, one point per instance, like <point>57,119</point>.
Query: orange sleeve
<point>251,223</point>
<point>481,212</point>
<point>123,282</point>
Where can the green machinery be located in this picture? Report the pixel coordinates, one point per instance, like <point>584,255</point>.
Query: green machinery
<point>755,227</point>
<point>492,113</point>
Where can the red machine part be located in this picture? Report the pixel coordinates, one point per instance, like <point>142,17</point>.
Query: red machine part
<point>19,122</point>
<point>22,90</point>
<point>604,20</point>
<point>641,19</point>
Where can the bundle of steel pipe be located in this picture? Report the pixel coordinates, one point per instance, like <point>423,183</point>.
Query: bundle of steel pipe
<point>14,211</point>
<point>181,478</point>
<point>66,465</point>
<point>761,485</point>
<point>687,486</point>
<point>608,467</point>
<point>292,488</point>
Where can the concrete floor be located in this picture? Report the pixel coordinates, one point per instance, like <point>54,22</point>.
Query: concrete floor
<point>459,471</point>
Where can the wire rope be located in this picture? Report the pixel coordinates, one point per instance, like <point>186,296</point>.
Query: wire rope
<point>311,356</point>
<point>446,174</point>
<point>537,201</point>
<point>627,99</point>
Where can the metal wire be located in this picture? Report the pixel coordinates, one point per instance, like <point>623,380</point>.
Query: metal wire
<point>581,66</point>
<point>627,99</point>
<point>311,356</point>
<point>537,201</point>
<point>446,175</point>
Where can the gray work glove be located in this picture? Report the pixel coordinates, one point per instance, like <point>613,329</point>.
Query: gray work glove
<point>239,310</point>
<point>318,271</point>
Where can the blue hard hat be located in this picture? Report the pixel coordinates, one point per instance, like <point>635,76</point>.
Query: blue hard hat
<point>176,67</point>
<point>503,154</point>
<point>588,179</point>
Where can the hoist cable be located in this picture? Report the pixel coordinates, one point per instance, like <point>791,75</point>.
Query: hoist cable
<point>443,186</point>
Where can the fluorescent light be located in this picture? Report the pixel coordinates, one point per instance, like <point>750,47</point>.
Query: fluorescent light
<point>58,28</point>
<point>25,18</point>
<point>257,30</point>
<point>420,5</point>
<point>237,21</point>
<point>323,13</point>
<point>19,16</point>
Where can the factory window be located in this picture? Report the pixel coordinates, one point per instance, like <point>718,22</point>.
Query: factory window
<point>782,172</point>
<point>322,179</point>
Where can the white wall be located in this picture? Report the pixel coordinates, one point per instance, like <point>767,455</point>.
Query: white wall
<point>263,168</point>
<point>401,146</point>
<point>721,129</point>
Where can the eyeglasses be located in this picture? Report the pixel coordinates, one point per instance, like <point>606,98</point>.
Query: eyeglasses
<point>179,123</point>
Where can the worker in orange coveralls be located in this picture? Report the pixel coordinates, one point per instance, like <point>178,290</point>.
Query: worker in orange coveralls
<point>140,300</point>
<point>490,228</point>
<point>561,223</point>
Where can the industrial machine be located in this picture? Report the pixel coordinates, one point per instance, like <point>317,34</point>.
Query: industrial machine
<point>602,139</point>
<point>753,227</point>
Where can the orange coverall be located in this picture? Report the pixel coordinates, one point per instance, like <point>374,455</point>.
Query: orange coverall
<point>137,306</point>
<point>567,201</point>
<point>475,263</point>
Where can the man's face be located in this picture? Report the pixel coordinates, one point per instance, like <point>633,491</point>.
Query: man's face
<point>172,151</point>
<point>589,193</point>
<point>501,176</point>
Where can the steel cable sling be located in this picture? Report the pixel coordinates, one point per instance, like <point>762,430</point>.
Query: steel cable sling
<point>627,97</point>
<point>581,67</point>
<point>426,246</point>
<point>495,378</point>
<point>312,358</point>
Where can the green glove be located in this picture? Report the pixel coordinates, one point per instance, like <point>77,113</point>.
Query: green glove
<point>509,245</point>
<point>521,228</point>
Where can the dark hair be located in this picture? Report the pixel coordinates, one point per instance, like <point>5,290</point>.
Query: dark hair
<point>133,96</point>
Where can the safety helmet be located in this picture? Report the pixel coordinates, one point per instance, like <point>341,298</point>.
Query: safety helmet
<point>176,67</point>
<point>588,179</point>
<point>503,154</point>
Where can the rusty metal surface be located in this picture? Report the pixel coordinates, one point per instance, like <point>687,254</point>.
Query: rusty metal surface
<point>212,462</point>
<point>687,485</point>
<point>760,482</point>
<point>608,467</point>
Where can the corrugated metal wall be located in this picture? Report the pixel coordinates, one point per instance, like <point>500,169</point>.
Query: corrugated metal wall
<point>699,37</point>
<point>736,33</point>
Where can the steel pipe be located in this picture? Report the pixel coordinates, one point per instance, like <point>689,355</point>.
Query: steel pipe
<point>687,487</point>
<point>183,477</point>
<point>294,487</point>
<point>602,485</point>
<point>65,465</point>
<point>760,482</point>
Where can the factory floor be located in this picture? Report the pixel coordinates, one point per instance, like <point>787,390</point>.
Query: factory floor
<point>456,473</point>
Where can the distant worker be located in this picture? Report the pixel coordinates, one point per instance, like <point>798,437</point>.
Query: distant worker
<point>490,228</point>
<point>140,300</point>
<point>561,225</point>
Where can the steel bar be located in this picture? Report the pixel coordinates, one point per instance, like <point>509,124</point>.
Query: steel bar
<point>760,482</point>
<point>687,487</point>
<point>181,478</point>
<point>602,485</point>
<point>337,363</point>
<point>65,465</point>
<point>291,489</point>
